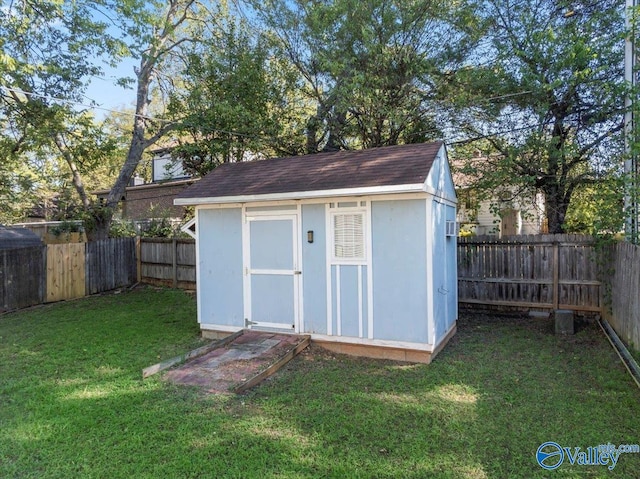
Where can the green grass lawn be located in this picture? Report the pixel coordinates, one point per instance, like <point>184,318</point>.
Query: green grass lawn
<point>73,404</point>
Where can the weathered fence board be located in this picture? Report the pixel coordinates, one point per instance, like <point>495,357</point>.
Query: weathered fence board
<point>622,299</point>
<point>110,264</point>
<point>65,271</point>
<point>546,271</point>
<point>22,277</point>
<point>168,262</point>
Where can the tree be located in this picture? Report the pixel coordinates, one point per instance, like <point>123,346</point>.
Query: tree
<point>235,102</point>
<point>371,68</point>
<point>49,50</point>
<point>549,98</point>
<point>156,31</point>
<point>597,209</point>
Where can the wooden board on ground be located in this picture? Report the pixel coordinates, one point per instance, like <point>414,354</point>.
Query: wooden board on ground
<point>161,366</point>
<point>261,376</point>
<point>241,364</point>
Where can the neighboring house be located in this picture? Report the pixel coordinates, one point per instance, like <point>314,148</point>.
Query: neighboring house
<point>146,200</point>
<point>355,248</point>
<point>507,213</point>
<point>165,167</point>
<point>151,199</point>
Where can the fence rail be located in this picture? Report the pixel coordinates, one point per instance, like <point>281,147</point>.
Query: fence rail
<point>544,271</point>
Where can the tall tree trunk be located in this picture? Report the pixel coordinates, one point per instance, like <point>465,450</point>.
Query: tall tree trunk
<point>162,43</point>
<point>312,135</point>
<point>104,217</point>
<point>555,208</point>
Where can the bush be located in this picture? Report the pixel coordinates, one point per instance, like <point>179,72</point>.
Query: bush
<point>66,226</point>
<point>122,229</point>
<point>160,228</point>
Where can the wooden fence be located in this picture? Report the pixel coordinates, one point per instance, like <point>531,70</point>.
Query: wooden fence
<point>622,298</point>
<point>544,271</point>
<point>22,277</point>
<point>110,264</point>
<point>55,272</point>
<point>168,262</point>
<point>65,271</point>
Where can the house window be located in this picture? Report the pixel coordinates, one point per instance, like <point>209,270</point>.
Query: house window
<point>348,234</point>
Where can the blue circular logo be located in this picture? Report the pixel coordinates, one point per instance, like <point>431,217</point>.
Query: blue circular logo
<point>550,456</point>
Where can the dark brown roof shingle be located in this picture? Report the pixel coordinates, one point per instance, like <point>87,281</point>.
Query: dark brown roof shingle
<point>385,166</point>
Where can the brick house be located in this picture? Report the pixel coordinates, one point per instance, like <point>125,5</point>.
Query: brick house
<point>143,201</point>
<point>146,200</point>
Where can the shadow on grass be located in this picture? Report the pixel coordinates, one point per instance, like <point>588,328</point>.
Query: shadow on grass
<point>499,390</point>
<point>72,403</point>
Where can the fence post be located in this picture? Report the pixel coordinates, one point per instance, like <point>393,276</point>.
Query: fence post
<point>4,302</point>
<point>174,274</point>
<point>43,279</point>
<point>556,275</point>
<point>138,260</point>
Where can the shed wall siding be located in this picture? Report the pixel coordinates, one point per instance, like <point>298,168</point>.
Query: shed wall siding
<point>348,300</point>
<point>401,284</point>
<point>349,308</point>
<point>444,274</point>
<point>220,266</point>
<point>314,270</point>
<point>399,278</point>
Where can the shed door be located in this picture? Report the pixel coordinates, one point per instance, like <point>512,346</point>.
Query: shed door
<point>272,272</point>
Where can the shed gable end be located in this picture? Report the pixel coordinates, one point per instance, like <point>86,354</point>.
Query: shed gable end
<point>440,181</point>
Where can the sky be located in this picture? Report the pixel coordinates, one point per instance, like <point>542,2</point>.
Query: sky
<point>106,93</point>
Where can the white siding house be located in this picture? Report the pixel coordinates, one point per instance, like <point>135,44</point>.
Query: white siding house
<point>504,213</point>
<point>355,248</point>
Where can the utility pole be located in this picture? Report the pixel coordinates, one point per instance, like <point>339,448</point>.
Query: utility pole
<point>631,140</point>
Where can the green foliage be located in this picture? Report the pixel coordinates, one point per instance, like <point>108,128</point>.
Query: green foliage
<point>372,69</point>
<point>50,50</point>
<point>553,93</point>
<point>160,228</point>
<point>122,229</point>
<point>225,109</point>
<point>597,210</point>
<point>67,227</point>
<point>234,102</point>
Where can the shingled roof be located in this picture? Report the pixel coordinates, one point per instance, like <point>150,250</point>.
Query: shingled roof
<point>334,171</point>
<point>12,238</point>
